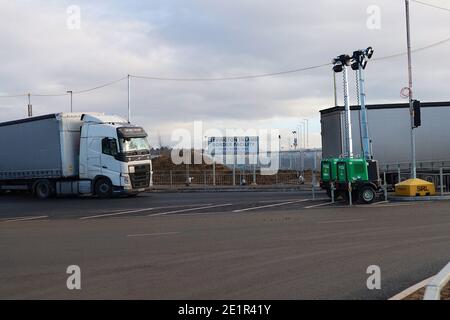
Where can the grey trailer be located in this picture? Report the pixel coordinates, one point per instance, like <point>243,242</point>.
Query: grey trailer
<point>40,147</point>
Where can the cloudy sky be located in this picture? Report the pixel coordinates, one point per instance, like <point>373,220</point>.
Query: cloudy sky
<point>208,39</point>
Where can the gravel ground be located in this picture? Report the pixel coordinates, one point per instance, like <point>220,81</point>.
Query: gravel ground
<point>418,295</point>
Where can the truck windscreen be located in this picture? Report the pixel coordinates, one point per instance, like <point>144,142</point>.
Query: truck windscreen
<point>133,144</point>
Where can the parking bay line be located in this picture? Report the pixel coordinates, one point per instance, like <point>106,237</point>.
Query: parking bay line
<point>319,205</point>
<point>191,209</point>
<point>340,221</point>
<point>271,205</point>
<point>151,234</point>
<point>24,219</point>
<point>132,211</point>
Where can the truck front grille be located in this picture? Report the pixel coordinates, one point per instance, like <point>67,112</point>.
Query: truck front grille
<point>141,176</point>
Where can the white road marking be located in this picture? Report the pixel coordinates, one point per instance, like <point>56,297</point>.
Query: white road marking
<point>272,201</point>
<point>340,221</point>
<point>116,213</point>
<point>319,205</point>
<point>379,202</point>
<point>134,211</point>
<point>270,205</point>
<point>393,205</point>
<point>191,209</point>
<point>24,219</point>
<point>151,234</point>
<point>383,205</point>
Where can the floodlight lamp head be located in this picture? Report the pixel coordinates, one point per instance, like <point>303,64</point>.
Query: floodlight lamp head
<point>338,67</point>
<point>344,59</point>
<point>369,52</point>
<point>364,63</point>
<point>355,65</point>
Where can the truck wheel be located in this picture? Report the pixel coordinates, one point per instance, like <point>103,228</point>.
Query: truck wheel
<point>103,188</point>
<point>43,189</point>
<point>367,194</point>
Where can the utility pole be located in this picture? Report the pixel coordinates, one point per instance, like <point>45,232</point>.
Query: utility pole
<point>71,100</point>
<point>30,107</point>
<point>129,99</point>
<point>410,93</point>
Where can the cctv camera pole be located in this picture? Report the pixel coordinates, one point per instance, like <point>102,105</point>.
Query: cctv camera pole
<point>347,116</point>
<point>410,91</point>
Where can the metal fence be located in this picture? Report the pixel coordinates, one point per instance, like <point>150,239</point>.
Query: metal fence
<point>436,172</point>
<point>213,178</point>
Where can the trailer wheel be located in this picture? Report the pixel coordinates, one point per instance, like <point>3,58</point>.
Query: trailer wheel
<point>43,189</point>
<point>367,194</point>
<point>103,188</point>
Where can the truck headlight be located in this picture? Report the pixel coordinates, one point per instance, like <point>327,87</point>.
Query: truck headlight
<point>131,169</point>
<point>125,180</point>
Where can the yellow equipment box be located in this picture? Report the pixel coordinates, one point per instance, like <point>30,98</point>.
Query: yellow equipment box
<point>415,188</point>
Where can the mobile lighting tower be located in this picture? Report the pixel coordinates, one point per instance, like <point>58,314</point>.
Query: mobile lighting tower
<point>353,178</point>
<point>359,63</point>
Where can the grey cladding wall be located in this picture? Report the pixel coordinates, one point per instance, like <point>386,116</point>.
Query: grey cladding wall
<point>390,133</point>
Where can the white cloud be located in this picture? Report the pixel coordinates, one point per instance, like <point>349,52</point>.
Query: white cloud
<point>211,39</point>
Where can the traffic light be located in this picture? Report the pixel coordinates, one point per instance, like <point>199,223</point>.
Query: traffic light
<point>417,115</point>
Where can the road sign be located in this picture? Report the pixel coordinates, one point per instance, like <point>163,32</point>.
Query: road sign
<point>233,145</point>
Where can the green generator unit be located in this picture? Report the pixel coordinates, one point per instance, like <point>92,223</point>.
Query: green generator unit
<point>361,175</point>
<point>328,169</point>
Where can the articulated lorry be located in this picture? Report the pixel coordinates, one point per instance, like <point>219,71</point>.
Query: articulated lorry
<point>74,153</point>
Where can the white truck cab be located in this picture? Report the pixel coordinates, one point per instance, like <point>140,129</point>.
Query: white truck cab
<point>114,155</point>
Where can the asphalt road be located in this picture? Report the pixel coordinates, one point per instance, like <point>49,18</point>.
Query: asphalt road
<point>223,245</point>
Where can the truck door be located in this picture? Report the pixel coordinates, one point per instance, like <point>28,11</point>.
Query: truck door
<point>111,167</point>
<point>94,157</point>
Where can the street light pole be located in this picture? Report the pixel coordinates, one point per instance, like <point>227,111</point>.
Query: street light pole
<point>71,93</point>
<point>410,93</point>
<point>307,133</point>
<point>302,126</point>
<point>129,98</point>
